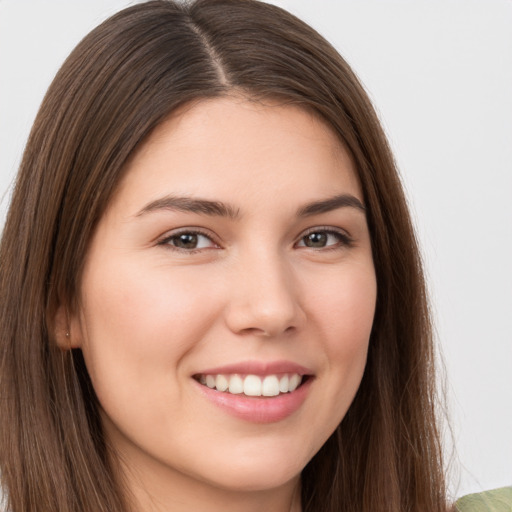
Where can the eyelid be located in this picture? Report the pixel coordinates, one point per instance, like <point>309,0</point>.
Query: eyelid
<point>346,239</point>
<point>165,239</point>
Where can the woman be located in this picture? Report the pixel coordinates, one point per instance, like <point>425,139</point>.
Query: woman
<point>212,297</point>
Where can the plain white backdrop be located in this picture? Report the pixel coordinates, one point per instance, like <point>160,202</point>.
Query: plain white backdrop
<point>440,75</point>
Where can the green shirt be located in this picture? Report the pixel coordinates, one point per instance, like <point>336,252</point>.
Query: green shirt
<point>497,500</point>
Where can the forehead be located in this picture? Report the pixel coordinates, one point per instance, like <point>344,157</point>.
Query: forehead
<point>228,146</point>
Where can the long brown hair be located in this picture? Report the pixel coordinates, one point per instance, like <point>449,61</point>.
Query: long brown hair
<point>119,83</point>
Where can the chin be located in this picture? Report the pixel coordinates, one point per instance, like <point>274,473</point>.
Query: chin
<point>251,472</point>
<point>256,478</point>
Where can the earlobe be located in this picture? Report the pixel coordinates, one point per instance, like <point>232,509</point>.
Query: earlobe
<point>62,330</point>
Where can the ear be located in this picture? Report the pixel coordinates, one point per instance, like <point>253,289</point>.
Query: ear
<point>65,331</point>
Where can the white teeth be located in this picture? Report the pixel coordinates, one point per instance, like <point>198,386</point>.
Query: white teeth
<point>283,384</point>
<point>270,386</point>
<point>294,382</point>
<point>236,385</point>
<point>210,381</point>
<point>221,383</point>
<point>253,385</point>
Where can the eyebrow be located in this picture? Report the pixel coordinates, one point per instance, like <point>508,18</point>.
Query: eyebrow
<point>220,209</point>
<point>192,205</point>
<point>333,203</point>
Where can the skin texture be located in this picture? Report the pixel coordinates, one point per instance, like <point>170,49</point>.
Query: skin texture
<point>154,315</point>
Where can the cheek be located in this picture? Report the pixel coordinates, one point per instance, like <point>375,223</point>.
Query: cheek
<point>127,305</point>
<point>136,327</point>
<point>341,311</point>
<point>345,306</point>
<point>355,319</point>
<point>345,313</point>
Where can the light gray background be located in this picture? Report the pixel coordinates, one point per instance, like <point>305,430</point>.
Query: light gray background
<point>440,74</point>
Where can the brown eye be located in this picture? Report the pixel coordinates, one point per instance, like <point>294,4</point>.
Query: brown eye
<point>316,239</point>
<point>324,239</point>
<point>188,241</point>
<point>185,241</point>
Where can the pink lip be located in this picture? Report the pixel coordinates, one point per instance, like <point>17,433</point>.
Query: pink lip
<point>258,368</point>
<point>258,409</point>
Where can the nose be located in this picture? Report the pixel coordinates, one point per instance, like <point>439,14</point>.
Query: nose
<point>264,298</point>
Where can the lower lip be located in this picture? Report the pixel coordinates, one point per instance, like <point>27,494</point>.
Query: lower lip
<point>258,409</point>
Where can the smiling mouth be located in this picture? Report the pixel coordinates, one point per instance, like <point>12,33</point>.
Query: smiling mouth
<point>253,385</point>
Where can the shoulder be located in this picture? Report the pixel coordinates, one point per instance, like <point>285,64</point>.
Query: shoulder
<point>497,500</point>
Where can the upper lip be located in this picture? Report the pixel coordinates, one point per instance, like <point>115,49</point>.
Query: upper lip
<point>257,368</point>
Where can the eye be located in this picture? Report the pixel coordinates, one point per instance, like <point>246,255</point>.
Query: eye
<point>189,240</point>
<point>320,238</point>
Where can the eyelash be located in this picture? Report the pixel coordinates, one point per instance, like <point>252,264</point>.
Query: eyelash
<point>166,242</point>
<point>344,240</point>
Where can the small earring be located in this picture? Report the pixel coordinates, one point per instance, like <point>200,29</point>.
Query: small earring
<point>67,334</point>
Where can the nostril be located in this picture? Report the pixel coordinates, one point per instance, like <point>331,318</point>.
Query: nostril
<point>268,332</point>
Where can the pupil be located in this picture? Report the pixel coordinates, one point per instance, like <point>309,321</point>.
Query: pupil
<point>187,241</point>
<point>316,240</point>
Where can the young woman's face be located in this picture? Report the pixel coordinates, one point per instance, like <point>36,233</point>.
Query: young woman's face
<point>227,299</point>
